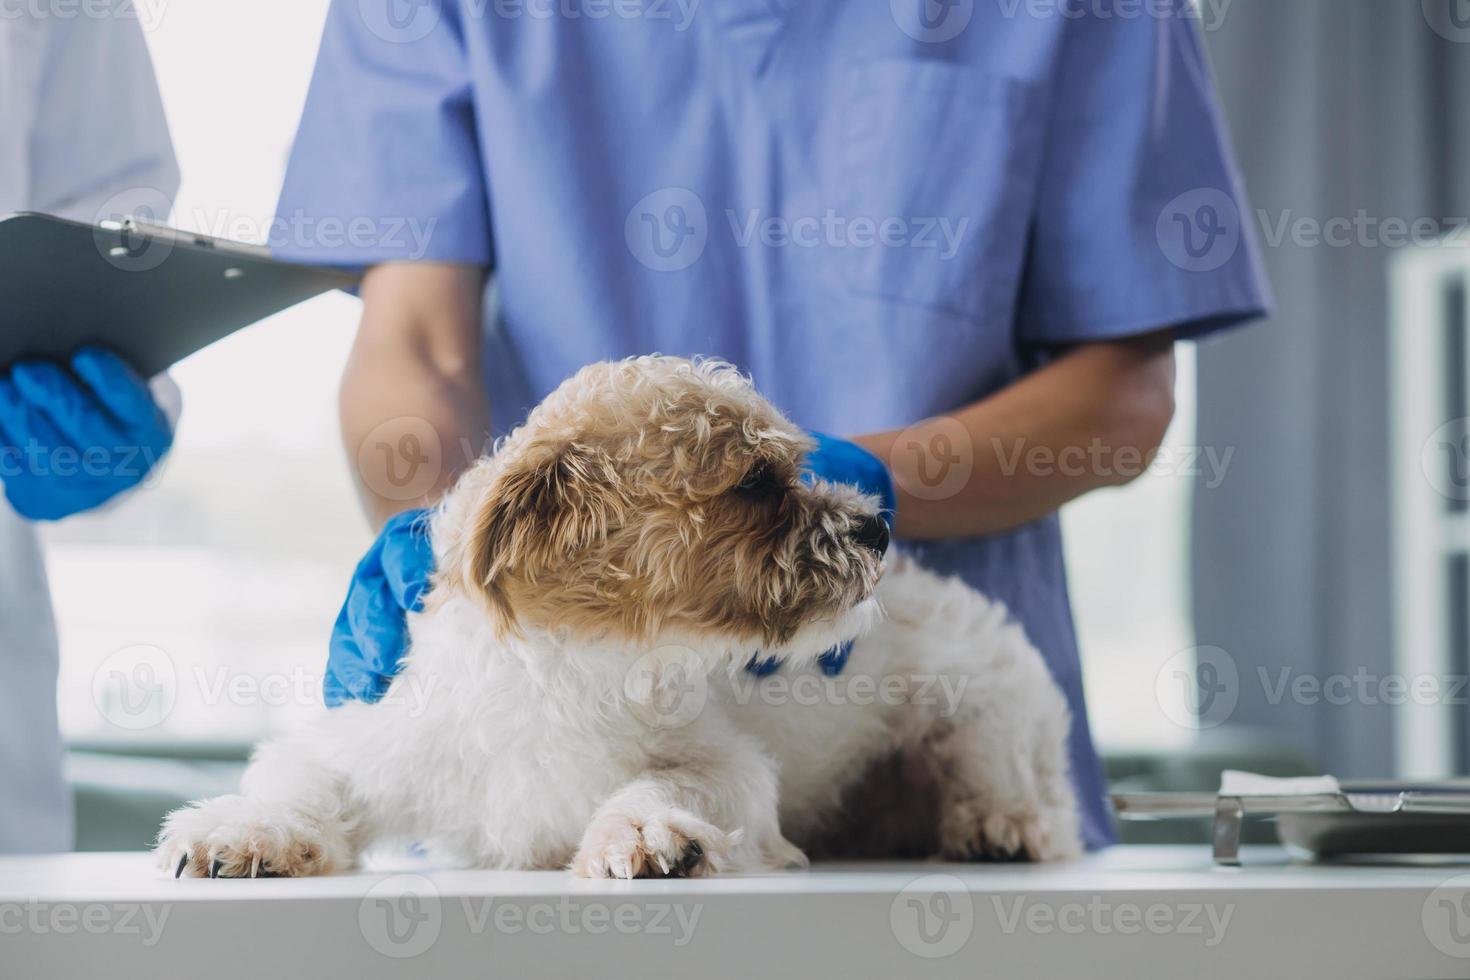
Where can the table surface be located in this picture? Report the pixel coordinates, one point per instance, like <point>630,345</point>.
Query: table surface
<point>1155,911</point>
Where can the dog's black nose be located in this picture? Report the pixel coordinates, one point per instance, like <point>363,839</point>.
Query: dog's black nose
<point>872,533</point>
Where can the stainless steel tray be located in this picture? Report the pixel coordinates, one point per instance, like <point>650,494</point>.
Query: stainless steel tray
<point>1362,819</point>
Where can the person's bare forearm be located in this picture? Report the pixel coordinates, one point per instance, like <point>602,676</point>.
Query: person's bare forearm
<point>413,406</point>
<point>1092,418</point>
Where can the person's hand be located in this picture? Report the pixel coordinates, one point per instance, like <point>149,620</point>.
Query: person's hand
<point>840,461</point>
<point>71,440</point>
<point>372,630</point>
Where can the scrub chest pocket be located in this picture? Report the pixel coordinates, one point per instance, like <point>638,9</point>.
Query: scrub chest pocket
<point>943,161</point>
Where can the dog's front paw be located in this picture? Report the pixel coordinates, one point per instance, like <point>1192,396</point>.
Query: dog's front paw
<point>237,837</point>
<point>668,844</point>
<point>971,831</point>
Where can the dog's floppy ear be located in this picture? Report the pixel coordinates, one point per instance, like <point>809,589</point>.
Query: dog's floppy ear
<point>540,514</point>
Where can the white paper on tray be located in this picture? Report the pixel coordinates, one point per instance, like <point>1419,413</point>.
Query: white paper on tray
<point>1233,782</point>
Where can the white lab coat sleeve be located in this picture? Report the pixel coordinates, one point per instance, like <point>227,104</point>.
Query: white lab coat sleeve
<point>100,145</point>
<point>84,137</point>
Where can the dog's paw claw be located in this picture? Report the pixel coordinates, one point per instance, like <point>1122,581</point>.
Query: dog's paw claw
<point>972,832</point>
<point>235,837</point>
<point>672,844</point>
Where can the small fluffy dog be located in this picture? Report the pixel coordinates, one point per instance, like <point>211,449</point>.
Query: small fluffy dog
<point>575,693</point>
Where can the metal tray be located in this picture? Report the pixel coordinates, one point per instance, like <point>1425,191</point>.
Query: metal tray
<point>1363,820</point>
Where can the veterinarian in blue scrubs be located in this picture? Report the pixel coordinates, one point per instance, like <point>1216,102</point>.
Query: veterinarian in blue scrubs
<point>962,233</point>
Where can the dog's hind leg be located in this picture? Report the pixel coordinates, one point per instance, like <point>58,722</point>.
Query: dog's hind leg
<point>291,819</point>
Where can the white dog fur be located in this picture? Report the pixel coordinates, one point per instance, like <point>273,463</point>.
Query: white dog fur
<point>524,733</point>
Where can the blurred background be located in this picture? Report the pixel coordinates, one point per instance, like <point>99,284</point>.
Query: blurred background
<point>1286,591</point>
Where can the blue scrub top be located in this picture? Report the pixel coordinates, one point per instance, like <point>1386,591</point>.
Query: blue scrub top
<point>880,210</point>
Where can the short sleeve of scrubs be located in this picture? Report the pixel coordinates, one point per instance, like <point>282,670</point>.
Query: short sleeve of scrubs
<point>1141,222</point>
<point>386,165</point>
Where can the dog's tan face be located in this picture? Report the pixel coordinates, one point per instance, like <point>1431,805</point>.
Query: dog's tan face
<point>656,495</point>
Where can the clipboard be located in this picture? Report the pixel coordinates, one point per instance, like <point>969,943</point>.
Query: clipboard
<point>150,293</point>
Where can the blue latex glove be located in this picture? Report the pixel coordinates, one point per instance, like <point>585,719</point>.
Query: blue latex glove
<point>71,440</point>
<point>372,631</point>
<point>840,461</point>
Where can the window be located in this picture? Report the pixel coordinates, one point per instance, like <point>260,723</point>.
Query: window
<point>1128,562</point>
<point>189,608</point>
